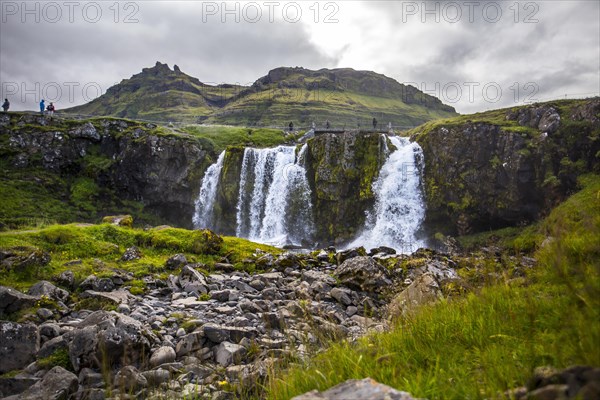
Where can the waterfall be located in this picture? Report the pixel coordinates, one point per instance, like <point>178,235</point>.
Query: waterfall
<point>203,217</point>
<point>274,199</point>
<point>399,205</point>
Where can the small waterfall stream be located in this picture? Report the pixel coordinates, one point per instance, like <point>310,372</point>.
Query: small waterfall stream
<point>399,205</point>
<point>203,216</point>
<point>274,201</point>
<point>279,210</point>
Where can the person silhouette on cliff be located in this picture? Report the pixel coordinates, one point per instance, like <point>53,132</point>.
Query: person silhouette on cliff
<point>374,123</point>
<point>50,110</point>
<point>42,106</point>
<point>5,105</point>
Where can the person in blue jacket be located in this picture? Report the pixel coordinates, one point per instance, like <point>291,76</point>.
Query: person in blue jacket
<point>42,107</point>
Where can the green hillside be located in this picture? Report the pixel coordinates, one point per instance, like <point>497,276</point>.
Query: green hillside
<point>344,97</point>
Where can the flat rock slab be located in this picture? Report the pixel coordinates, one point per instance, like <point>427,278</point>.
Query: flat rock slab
<point>116,297</point>
<point>354,389</point>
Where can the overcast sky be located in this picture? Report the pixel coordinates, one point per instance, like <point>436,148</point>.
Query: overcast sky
<point>473,55</point>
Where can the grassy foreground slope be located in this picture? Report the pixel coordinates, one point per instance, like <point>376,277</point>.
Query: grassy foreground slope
<point>96,249</point>
<point>484,343</point>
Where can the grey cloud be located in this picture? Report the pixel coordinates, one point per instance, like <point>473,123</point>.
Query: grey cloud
<point>107,52</point>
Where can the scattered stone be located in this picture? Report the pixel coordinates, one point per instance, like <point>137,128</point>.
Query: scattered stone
<point>350,253</point>
<point>45,288</point>
<point>19,345</point>
<point>15,385</point>
<point>176,261</point>
<point>12,300</point>
<point>156,377</point>
<point>162,355</point>
<point>229,353</point>
<point>67,278</point>
<point>57,384</point>
<point>129,380</point>
<point>424,289</point>
<point>363,273</point>
<point>132,253</point>
<point>342,296</point>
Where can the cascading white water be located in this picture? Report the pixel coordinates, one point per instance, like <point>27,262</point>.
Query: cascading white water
<point>203,217</point>
<point>399,205</point>
<point>274,199</point>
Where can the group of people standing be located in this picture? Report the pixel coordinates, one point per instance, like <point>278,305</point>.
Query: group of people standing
<point>43,108</point>
<point>48,109</point>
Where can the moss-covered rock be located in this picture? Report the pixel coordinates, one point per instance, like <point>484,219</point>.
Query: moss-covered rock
<point>341,169</point>
<point>97,167</point>
<point>506,167</point>
<point>225,210</point>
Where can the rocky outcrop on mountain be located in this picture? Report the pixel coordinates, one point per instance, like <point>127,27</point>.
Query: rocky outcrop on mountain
<point>488,173</point>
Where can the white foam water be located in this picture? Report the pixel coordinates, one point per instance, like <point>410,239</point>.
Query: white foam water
<point>399,204</point>
<point>204,206</point>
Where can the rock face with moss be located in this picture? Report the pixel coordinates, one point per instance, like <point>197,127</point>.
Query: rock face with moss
<point>228,191</point>
<point>341,169</point>
<point>101,166</point>
<point>506,167</point>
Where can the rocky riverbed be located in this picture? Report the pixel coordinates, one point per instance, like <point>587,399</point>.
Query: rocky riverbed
<point>199,333</point>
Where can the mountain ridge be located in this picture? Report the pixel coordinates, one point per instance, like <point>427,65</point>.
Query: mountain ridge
<point>285,94</point>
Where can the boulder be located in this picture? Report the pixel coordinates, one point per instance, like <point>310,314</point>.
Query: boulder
<point>66,279</point>
<point>57,384</point>
<point>45,288</point>
<point>86,131</point>
<point>19,345</point>
<point>82,349</point>
<point>12,300</point>
<point>350,253</point>
<point>51,346</point>
<point>120,220</point>
<point>15,385</point>
<point>130,380</point>
<point>364,389</point>
<point>343,296</point>
<point>363,273</point>
<point>176,261</point>
<point>229,353</point>
<point>132,253</point>
<point>17,258</point>
<point>192,281</point>
<point>423,290</point>
<point>162,355</point>
<point>156,377</point>
<point>189,343</point>
<point>116,297</point>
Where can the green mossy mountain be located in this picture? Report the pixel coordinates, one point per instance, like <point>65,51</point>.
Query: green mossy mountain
<point>345,97</point>
<point>159,93</point>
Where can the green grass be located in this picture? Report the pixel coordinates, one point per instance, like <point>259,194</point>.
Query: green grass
<point>487,342</point>
<point>222,136</point>
<point>99,247</point>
